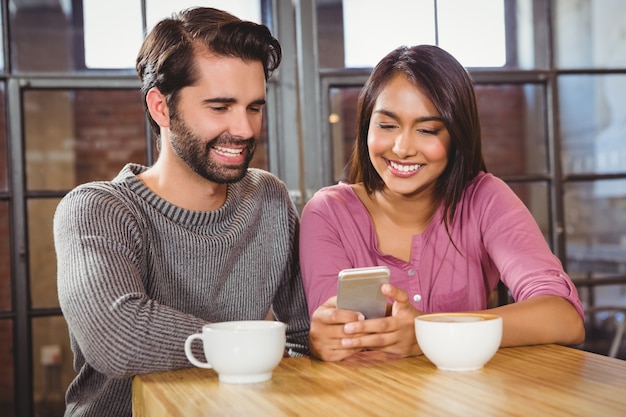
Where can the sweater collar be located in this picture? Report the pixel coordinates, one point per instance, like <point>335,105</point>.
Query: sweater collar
<point>129,176</point>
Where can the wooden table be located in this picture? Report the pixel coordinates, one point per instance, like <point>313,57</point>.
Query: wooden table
<point>546,380</point>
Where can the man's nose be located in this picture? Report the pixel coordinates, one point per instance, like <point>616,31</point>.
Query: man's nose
<point>241,125</point>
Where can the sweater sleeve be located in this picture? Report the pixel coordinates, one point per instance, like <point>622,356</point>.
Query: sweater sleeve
<point>290,304</point>
<point>120,330</point>
<point>517,247</point>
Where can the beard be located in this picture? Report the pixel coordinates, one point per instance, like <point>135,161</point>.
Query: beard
<point>197,155</point>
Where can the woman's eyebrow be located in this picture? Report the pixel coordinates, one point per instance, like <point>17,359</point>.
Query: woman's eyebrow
<point>386,113</point>
<point>417,120</point>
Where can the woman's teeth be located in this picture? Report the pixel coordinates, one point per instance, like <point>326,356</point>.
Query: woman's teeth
<point>404,168</point>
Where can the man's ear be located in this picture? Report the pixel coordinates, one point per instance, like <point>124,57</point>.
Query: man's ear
<point>157,107</point>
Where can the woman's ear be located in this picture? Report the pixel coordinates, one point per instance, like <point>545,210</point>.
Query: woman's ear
<point>157,106</point>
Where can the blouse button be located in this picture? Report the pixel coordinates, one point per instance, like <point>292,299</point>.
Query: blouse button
<point>417,298</point>
<point>411,272</point>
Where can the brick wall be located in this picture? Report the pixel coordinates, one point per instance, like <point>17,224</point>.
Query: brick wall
<point>109,132</point>
<point>502,117</point>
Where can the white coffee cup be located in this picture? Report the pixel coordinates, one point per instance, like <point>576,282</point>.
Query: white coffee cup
<point>459,341</point>
<point>241,352</point>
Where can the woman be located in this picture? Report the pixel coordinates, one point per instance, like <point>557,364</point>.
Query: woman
<point>419,201</point>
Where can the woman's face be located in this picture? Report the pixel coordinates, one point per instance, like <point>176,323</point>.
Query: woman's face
<point>407,140</point>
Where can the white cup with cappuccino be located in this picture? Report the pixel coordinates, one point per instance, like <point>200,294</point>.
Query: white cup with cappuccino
<point>459,341</point>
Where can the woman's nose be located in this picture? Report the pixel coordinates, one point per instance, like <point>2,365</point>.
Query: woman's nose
<point>404,145</point>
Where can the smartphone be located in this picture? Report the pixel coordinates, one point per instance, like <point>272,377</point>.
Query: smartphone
<point>358,289</point>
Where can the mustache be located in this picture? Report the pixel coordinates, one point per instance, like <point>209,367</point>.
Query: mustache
<point>227,139</point>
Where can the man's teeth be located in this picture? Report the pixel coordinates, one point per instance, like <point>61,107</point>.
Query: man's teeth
<point>404,168</point>
<point>228,151</point>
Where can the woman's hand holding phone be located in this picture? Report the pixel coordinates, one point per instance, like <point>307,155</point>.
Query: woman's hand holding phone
<point>337,334</point>
<point>394,334</point>
<point>358,289</point>
<point>327,331</point>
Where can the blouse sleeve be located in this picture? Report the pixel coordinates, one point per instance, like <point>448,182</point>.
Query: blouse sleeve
<point>326,238</point>
<point>518,248</point>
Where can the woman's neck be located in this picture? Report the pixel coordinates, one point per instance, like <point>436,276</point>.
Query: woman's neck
<point>397,219</point>
<point>412,212</point>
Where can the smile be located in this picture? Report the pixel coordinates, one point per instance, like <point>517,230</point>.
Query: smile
<point>404,167</point>
<point>228,151</point>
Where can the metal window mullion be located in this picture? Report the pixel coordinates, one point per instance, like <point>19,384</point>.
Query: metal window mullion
<point>22,342</point>
<point>316,154</point>
<point>284,141</point>
<point>556,212</point>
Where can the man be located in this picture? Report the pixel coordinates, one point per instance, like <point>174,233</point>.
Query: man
<point>148,258</point>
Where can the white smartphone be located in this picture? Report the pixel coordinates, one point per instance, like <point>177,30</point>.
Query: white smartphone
<point>358,289</point>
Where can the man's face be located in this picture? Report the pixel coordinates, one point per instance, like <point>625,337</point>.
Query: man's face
<point>216,123</point>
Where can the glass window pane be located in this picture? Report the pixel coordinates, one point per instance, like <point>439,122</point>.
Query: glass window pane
<point>527,25</point>
<point>106,48</point>
<point>81,38</point>
<point>342,119</point>
<point>46,36</point>
<point>260,159</point>
<point>595,228</point>
<point>330,34</point>
<point>42,257</point>
<point>596,241</point>
<point>76,136</point>
<point>1,40</point>
<point>593,124</point>
<point>473,31</point>
<point>480,33</point>
<point>514,128</point>
<point>118,49</point>
<point>589,34</point>
<point>5,258</point>
<point>52,365</point>
<point>535,198</point>
<point>4,151</point>
<point>7,392</point>
<point>395,25</point>
<point>159,9</point>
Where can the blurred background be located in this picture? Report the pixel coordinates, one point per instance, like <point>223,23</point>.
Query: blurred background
<point>551,82</point>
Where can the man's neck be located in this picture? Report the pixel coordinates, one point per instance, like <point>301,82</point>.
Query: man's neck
<point>171,179</point>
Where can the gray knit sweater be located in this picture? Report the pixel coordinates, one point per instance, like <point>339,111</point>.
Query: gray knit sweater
<point>137,275</point>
